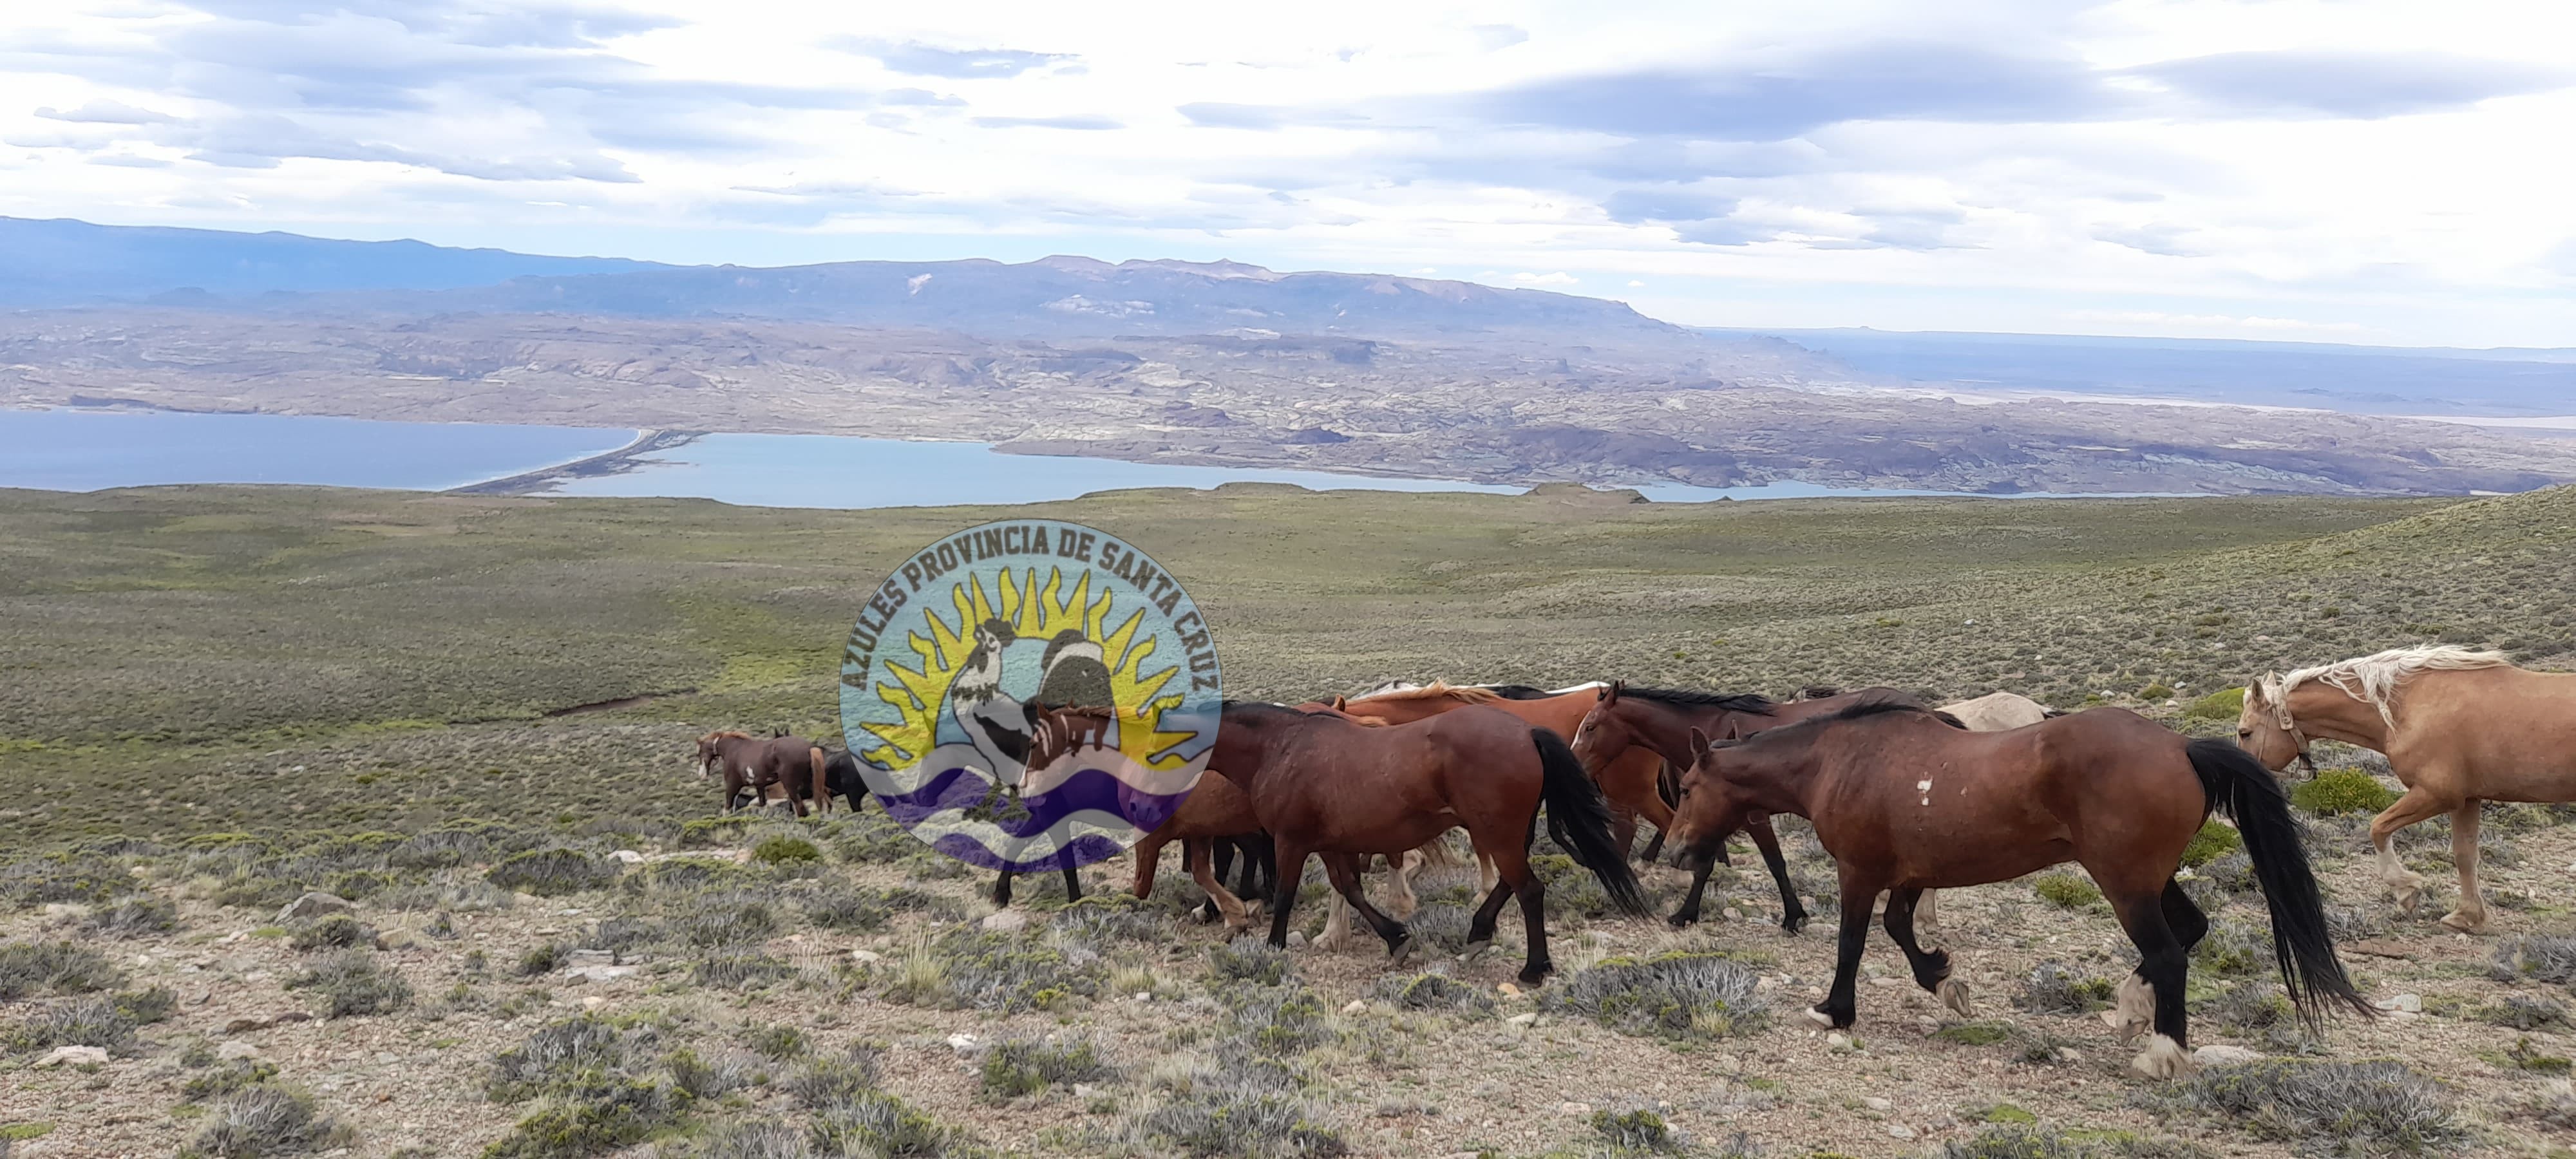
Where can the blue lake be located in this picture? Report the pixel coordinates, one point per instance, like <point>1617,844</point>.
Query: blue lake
<point>67,450</point>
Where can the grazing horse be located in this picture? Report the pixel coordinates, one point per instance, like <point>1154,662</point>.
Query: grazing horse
<point>2458,727</point>
<point>744,761</point>
<point>1907,802</point>
<point>1628,781</point>
<point>1325,784</point>
<point>1623,722</point>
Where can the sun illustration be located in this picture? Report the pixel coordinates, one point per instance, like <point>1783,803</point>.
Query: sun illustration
<point>1039,610</point>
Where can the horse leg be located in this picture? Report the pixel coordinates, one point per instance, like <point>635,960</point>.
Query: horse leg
<point>1924,918</point>
<point>1288,870</point>
<point>2470,916</point>
<point>1224,903</point>
<point>2186,921</point>
<point>1842,1003</point>
<point>1221,855</point>
<point>1072,882</point>
<point>1533,894</point>
<point>1345,876</point>
<point>2417,805</point>
<point>1149,861</point>
<point>1689,911</point>
<point>1337,918</point>
<point>1793,916</point>
<point>2152,998</point>
<point>1931,967</point>
<point>1256,868</point>
<point>1002,889</point>
<point>1399,895</point>
<point>1623,829</point>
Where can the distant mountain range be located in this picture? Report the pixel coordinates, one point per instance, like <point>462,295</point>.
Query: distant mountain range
<point>62,262</point>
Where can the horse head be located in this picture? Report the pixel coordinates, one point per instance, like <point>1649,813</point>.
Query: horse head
<point>2266,729</point>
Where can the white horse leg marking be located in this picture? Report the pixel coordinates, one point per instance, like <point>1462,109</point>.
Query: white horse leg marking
<point>2470,916</point>
<point>1337,923</point>
<point>1400,899</point>
<point>2163,1059</point>
<point>2134,1012</point>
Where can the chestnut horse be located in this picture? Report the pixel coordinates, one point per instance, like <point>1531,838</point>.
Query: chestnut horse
<point>745,761</point>
<point>1907,802</point>
<point>1623,722</point>
<point>1324,784</point>
<point>2471,728</point>
<point>1215,813</point>
<point>1629,782</point>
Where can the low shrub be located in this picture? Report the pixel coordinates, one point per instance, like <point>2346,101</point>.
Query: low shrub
<point>267,1119</point>
<point>2336,792</point>
<point>829,1082</point>
<point>1023,1066</point>
<point>2066,890</point>
<point>2372,1108</point>
<point>28,968</point>
<point>352,982</point>
<point>785,850</point>
<point>135,917</point>
<point>730,918</point>
<point>2055,988</point>
<point>2521,1013</point>
<point>872,1122</point>
<point>2027,1140</point>
<point>107,1022</point>
<point>1239,1114</point>
<point>2216,839</point>
<point>332,932</point>
<point>2543,958</point>
<point>2225,705</point>
<point>740,969</point>
<point>1671,995</point>
<point>1249,959</point>
<point>554,872</point>
<point>611,1115</point>
<point>1638,1131</point>
<point>64,877</point>
<point>227,1078</point>
<point>2233,949</point>
<point>1433,992</point>
<point>568,1058</point>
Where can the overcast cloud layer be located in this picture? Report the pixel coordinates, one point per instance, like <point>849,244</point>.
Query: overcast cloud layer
<point>2334,170</point>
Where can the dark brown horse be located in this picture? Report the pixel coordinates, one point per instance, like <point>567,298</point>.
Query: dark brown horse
<point>1628,781</point>
<point>746,761</point>
<point>1906,802</point>
<point>1324,784</point>
<point>1624,722</point>
<point>1217,812</point>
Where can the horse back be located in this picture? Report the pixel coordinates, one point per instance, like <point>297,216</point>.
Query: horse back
<point>2508,734</point>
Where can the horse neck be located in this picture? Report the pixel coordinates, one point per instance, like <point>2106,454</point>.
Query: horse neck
<point>1666,728</point>
<point>1244,742</point>
<point>2326,712</point>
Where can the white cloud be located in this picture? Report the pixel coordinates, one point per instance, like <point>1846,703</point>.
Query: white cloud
<point>2382,169</point>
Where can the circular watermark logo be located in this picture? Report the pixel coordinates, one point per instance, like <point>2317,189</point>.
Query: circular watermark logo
<point>957,669</point>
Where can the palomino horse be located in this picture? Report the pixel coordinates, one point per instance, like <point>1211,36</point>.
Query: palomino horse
<point>1628,781</point>
<point>1907,802</point>
<point>1621,723</point>
<point>1323,784</point>
<point>747,761</point>
<point>2458,727</point>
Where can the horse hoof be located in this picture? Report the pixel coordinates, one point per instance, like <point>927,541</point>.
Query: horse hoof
<point>2465,924</point>
<point>1820,1018</point>
<point>1397,952</point>
<point>2163,1059</point>
<point>1953,993</point>
<point>1474,951</point>
<point>1682,921</point>
<point>1533,975</point>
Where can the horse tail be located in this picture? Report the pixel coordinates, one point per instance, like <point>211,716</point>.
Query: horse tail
<point>1579,820</point>
<point>822,780</point>
<point>1668,785</point>
<point>2240,788</point>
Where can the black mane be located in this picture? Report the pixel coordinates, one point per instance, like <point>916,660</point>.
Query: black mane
<point>1518,692</point>
<point>1258,706</point>
<point>1752,702</point>
<point>1868,708</point>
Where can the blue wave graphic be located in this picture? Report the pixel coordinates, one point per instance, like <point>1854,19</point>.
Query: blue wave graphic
<point>1081,851</point>
<point>1087,789</point>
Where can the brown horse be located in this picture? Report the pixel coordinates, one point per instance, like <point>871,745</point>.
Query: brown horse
<point>1906,802</point>
<point>1629,782</point>
<point>1215,811</point>
<point>1622,722</point>
<point>1323,784</point>
<point>745,761</point>
<point>2472,728</point>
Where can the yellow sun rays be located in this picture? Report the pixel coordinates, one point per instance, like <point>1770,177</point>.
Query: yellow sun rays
<point>1034,610</point>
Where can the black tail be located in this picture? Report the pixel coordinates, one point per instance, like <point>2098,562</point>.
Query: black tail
<point>1579,820</point>
<point>2239,787</point>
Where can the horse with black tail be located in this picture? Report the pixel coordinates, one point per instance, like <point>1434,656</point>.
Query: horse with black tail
<point>1322,783</point>
<point>1907,802</point>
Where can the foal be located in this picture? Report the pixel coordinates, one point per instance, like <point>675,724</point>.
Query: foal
<point>1906,802</point>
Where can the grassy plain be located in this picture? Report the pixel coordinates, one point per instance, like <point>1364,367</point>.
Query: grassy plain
<point>217,698</point>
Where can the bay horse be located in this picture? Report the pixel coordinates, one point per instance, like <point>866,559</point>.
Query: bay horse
<point>746,761</point>
<point>1322,783</point>
<point>2458,727</point>
<point>1622,722</point>
<point>1629,782</point>
<point>1907,802</point>
<point>1217,813</point>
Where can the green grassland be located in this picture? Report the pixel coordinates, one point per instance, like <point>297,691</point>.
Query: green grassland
<point>178,661</point>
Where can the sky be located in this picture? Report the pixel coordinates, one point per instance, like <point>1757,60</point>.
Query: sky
<point>2315,170</point>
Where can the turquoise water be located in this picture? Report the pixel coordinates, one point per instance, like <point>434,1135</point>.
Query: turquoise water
<point>70,450</point>
<point>75,450</point>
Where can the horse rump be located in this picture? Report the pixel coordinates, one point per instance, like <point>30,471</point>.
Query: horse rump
<point>2238,786</point>
<point>1579,820</point>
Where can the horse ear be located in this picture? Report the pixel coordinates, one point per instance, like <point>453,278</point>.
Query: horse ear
<point>1610,692</point>
<point>1698,743</point>
<point>1341,703</point>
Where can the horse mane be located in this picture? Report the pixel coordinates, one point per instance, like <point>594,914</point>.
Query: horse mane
<point>2374,679</point>
<point>1520,692</point>
<point>1752,702</point>
<point>1259,706</point>
<point>724,734</point>
<point>1440,690</point>
<point>1868,708</point>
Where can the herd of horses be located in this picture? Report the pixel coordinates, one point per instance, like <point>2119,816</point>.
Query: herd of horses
<point>1907,797</point>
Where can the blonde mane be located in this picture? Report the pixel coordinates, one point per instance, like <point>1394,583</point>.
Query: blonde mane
<point>2374,679</point>
<point>1434,690</point>
<point>726,734</point>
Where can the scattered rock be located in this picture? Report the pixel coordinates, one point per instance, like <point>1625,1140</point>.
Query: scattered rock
<point>866,957</point>
<point>1009,921</point>
<point>593,1002</point>
<point>628,856</point>
<point>397,939</point>
<point>963,1043</point>
<point>245,1025</point>
<point>2383,948</point>
<point>1899,1131</point>
<point>314,905</point>
<point>2217,1054</point>
<point>66,909</point>
<point>1356,1005</point>
<point>1878,1104</point>
<point>600,973</point>
<point>1296,938</point>
<point>1732,914</point>
<point>1508,990</point>
<point>1575,1109</point>
<point>237,1050</point>
<point>290,1016</point>
<point>1087,1091</point>
<point>1838,1041</point>
<point>1524,1021</point>
<point>2402,1004</point>
<point>74,1056</point>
